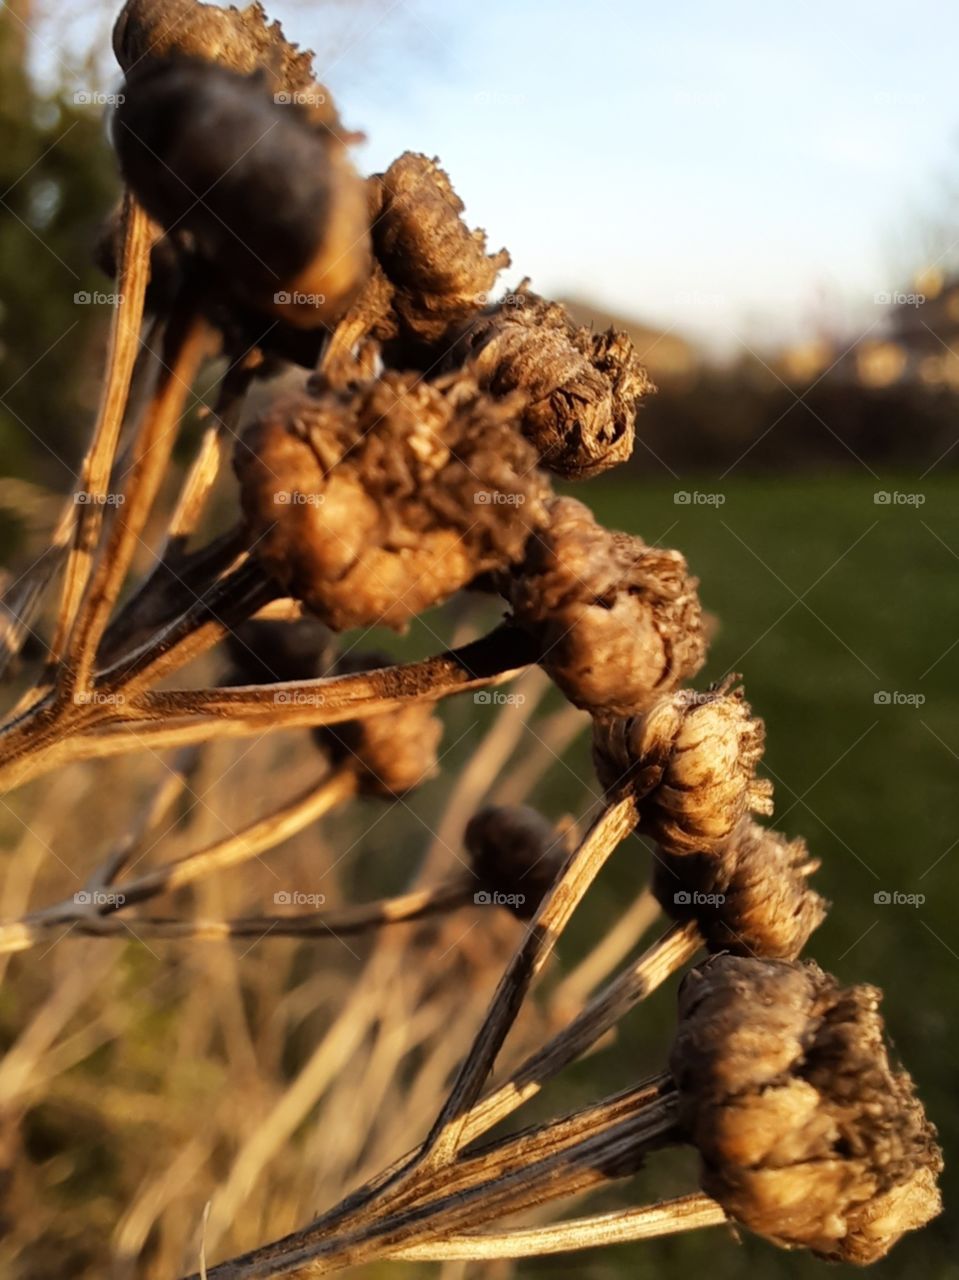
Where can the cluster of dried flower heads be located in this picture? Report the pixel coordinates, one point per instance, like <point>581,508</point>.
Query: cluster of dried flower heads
<point>412,460</point>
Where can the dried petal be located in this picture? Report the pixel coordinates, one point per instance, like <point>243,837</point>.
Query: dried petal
<point>808,1135</point>
<point>616,620</point>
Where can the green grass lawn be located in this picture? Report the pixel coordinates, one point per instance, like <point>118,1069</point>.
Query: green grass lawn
<point>824,600</point>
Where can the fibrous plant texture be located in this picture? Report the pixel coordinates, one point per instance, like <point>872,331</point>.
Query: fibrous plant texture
<point>395,433</point>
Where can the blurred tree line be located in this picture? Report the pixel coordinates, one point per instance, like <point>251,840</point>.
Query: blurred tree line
<point>57,181</point>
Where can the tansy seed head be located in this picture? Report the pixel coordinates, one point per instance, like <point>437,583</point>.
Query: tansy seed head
<point>391,753</point>
<point>615,620</point>
<point>808,1135</point>
<point>515,853</point>
<point>750,896</point>
<point>375,504</point>
<point>690,760</point>
<point>581,390</point>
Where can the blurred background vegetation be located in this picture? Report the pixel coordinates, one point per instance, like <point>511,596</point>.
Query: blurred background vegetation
<point>812,488</point>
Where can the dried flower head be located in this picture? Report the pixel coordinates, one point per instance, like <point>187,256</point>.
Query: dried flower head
<point>691,760</point>
<point>373,505</point>
<point>581,389</point>
<point>438,269</point>
<point>271,203</point>
<point>516,855</point>
<point>751,896</point>
<point>239,40</point>
<point>391,753</point>
<point>616,620</point>
<point>808,1135</point>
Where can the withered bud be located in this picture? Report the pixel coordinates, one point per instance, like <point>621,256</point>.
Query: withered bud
<point>272,204</point>
<point>516,855</point>
<point>391,753</point>
<point>240,40</point>
<point>438,268</point>
<point>268,651</point>
<point>581,389</point>
<point>690,760</point>
<point>751,896</point>
<point>616,620</point>
<point>374,504</point>
<point>808,1135</point>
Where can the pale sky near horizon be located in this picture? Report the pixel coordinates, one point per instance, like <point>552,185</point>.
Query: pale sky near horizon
<point>731,170</point>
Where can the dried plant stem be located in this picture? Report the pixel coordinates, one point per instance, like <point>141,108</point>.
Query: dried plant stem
<point>401,1185</point>
<point>606,1142</point>
<point>619,1227</point>
<point>612,947</point>
<point>240,847</point>
<point>584,864</point>
<point>674,949</point>
<point>335,923</point>
<point>95,474</point>
<point>49,734</point>
<point>185,344</point>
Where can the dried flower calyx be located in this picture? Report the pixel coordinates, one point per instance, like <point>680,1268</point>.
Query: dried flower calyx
<point>516,855</point>
<point>691,760</point>
<point>751,896</point>
<point>373,505</point>
<point>808,1135</point>
<point>438,270</point>
<point>390,753</point>
<point>581,389</point>
<point>272,205</point>
<point>616,620</point>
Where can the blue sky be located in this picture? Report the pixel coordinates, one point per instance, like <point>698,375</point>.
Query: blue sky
<point>729,169</point>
